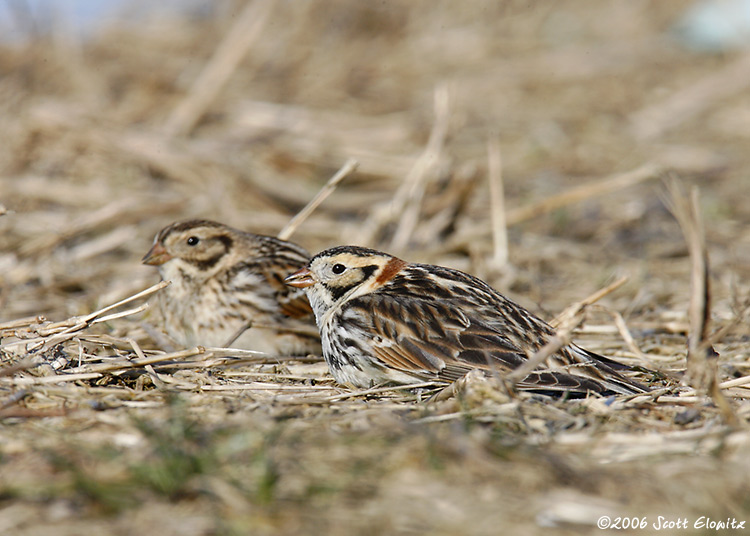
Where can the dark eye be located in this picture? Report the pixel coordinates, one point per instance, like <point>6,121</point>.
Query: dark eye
<point>338,269</point>
<point>193,241</point>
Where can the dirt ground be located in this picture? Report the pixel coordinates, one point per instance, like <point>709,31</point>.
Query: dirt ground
<point>241,113</point>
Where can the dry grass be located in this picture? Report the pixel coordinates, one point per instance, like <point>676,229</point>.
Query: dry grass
<point>242,116</point>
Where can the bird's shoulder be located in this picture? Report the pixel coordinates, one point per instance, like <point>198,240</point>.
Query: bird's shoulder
<point>262,263</point>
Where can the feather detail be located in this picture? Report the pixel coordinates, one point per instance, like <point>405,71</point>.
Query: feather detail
<point>225,281</point>
<point>383,319</point>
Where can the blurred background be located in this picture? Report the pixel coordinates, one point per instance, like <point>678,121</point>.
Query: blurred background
<point>120,117</point>
<point>117,118</point>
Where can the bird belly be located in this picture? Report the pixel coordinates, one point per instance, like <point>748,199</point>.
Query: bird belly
<point>211,316</point>
<point>351,362</point>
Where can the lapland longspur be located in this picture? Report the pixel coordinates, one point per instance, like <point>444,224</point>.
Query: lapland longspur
<point>224,280</point>
<point>382,319</point>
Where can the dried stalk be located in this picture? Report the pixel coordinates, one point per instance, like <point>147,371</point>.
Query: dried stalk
<point>701,359</point>
<point>596,188</point>
<point>329,187</point>
<point>57,332</point>
<point>589,300</point>
<point>565,323</point>
<point>244,32</point>
<point>406,201</point>
<point>21,323</point>
<point>497,204</point>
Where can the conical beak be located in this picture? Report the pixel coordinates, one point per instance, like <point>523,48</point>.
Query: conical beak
<point>157,255</point>
<point>301,278</point>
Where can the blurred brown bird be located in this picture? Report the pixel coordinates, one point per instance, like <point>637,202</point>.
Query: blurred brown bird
<point>223,281</point>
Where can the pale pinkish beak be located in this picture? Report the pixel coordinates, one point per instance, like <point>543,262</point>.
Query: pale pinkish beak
<point>157,255</point>
<point>301,278</point>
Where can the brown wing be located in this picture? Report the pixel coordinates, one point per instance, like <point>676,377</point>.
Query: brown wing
<point>433,339</point>
<point>296,307</point>
<point>279,260</point>
<point>428,337</point>
<point>582,363</point>
<point>554,381</point>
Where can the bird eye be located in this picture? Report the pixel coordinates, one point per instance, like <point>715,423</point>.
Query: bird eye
<point>193,241</point>
<point>338,269</point>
